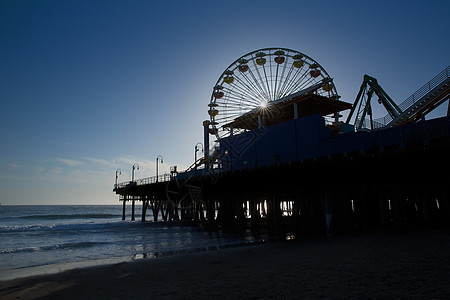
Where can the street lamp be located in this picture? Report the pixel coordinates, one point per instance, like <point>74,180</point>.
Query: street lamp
<point>118,172</point>
<point>157,158</point>
<point>135,166</point>
<point>196,149</point>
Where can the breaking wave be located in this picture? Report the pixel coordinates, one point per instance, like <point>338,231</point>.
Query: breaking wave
<point>66,246</point>
<point>70,217</point>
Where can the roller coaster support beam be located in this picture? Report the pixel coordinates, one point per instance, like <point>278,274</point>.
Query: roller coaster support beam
<point>369,86</point>
<point>206,142</point>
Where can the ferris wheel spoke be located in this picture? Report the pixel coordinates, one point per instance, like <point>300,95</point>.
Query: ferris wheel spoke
<point>277,92</point>
<point>296,78</point>
<point>241,91</point>
<point>255,84</point>
<point>300,86</point>
<point>249,85</point>
<point>303,82</point>
<point>238,93</point>
<point>241,95</point>
<point>270,79</point>
<point>227,118</point>
<point>230,118</point>
<point>236,99</point>
<point>276,81</point>
<point>233,113</point>
<point>285,82</point>
<point>226,111</point>
<point>267,82</point>
<point>262,81</point>
<point>234,104</point>
<point>230,108</point>
<point>250,91</point>
<point>308,82</point>
<point>273,78</point>
<point>263,93</point>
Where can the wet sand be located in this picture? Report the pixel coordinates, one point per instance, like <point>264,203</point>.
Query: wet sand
<point>393,265</point>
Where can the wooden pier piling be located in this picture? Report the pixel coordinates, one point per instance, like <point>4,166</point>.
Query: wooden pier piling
<point>124,206</point>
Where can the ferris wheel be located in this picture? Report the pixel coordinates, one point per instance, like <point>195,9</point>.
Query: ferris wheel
<point>260,77</point>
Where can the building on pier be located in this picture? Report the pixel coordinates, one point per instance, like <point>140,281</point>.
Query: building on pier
<point>278,156</point>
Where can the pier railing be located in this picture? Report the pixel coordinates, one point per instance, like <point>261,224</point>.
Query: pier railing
<point>144,181</point>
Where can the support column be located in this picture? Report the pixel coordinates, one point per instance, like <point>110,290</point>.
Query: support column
<point>425,205</point>
<point>372,219</point>
<point>132,209</point>
<point>230,152</point>
<point>211,211</point>
<point>397,209</point>
<point>240,211</point>
<point>163,207</point>
<point>201,209</point>
<point>276,217</point>
<point>206,142</point>
<point>155,210</point>
<point>307,216</point>
<point>319,214</point>
<point>144,207</point>
<point>196,208</point>
<point>380,200</point>
<point>295,111</point>
<point>124,205</point>
<point>328,213</point>
<point>254,212</point>
<point>410,205</point>
<point>176,216</point>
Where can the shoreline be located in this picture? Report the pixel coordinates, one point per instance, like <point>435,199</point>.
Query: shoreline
<point>412,264</point>
<point>56,268</point>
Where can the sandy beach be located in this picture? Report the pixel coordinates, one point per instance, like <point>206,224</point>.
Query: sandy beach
<point>393,265</point>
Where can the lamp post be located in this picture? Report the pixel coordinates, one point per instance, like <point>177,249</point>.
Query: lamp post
<point>135,166</point>
<point>157,158</point>
<point>118,172</point>
<point>196,149</point>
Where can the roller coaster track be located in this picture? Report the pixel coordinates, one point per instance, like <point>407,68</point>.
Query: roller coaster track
<point>423,101</point>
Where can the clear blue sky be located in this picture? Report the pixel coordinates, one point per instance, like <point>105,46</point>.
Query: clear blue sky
<point>87,87</point>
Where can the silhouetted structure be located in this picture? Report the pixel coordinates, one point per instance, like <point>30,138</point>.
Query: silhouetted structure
<point>283,167</point>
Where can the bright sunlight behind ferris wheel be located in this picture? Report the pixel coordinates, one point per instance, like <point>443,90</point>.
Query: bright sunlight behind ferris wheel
<point>260,77</point>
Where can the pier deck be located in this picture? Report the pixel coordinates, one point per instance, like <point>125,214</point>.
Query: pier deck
<point>387,178</point>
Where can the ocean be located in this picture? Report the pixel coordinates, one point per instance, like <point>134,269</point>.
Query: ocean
<point>48,239</point>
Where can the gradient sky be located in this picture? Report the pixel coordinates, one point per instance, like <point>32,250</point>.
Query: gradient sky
<point>87,87</point>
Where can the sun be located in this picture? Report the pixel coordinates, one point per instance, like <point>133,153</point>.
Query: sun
<point>263,104</point>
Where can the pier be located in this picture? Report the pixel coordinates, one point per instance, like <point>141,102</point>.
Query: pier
<point>278,157</point>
